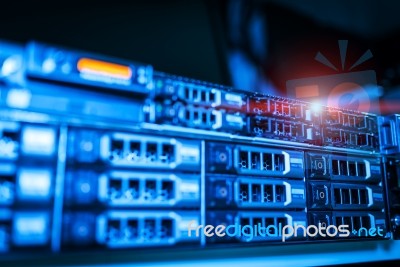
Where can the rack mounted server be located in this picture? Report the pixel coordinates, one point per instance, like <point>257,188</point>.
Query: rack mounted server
<point>101,153</point>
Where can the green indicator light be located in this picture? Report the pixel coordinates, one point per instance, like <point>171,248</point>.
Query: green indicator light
<point>159,83</point>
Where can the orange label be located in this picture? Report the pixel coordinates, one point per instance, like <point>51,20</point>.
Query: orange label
<point>87,65</point>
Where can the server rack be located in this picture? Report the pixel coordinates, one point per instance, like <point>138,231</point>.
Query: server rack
<point>101,154</point>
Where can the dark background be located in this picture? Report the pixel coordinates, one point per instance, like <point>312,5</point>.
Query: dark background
<point>193,38</point>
